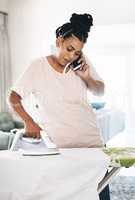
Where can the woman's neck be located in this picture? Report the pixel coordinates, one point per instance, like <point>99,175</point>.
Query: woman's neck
<point>55,64</point>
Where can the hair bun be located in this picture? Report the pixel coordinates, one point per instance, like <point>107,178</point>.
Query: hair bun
<point>82,22</point>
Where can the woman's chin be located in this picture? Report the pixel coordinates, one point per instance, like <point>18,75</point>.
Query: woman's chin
<point>63,63</point>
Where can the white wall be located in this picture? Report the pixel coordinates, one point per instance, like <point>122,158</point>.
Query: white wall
<point>4,5</point>
<point>25,33</point>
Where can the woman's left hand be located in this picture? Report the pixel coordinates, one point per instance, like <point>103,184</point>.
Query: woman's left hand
<point>83,71</point>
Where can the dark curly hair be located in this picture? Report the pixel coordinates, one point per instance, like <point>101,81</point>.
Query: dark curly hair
<point>79,26</point>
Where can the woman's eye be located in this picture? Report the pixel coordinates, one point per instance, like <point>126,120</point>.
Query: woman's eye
<point>69,49</point>
<point>78,54</point>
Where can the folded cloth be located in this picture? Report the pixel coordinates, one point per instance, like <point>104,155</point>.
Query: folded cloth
<point>73,174</point>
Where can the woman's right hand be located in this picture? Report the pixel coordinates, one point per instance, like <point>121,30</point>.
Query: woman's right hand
<point>32,129</point>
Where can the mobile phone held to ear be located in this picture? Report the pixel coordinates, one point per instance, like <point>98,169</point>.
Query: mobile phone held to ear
<point>76,64</point>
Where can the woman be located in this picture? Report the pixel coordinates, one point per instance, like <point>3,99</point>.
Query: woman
<point>60,100</point>
<point>60,91</point>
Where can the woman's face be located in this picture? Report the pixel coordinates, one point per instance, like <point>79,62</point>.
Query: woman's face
<point>69,49</point>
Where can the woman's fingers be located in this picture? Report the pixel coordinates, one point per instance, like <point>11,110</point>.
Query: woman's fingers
<point>38,135</point>
<point>33,134</point>
<point>30,134</point>
<point>83,67</point>
<point>32,130</point>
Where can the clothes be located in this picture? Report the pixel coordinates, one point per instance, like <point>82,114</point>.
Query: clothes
<point>61,104</point>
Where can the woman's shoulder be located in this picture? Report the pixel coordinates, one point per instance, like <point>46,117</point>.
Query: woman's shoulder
<point>38,63</point>
<point>39,60</point>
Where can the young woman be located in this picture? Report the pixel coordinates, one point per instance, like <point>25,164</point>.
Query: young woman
<point>60,101</point>
<point>62,92</point>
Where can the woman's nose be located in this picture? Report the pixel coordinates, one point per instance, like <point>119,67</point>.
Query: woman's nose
<point>71,55</point>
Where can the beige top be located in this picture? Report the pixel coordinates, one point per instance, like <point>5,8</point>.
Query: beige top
<point>60,102</point>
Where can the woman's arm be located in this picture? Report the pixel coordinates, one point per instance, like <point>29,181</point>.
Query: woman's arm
<point>32,129</point>
<point>94,85</point>
<point>97,86</point>
<point>90,77</point>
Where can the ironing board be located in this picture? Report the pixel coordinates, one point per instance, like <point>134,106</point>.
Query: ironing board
<point>119,157</point>
<point>72,174</point>
<point>77,173</point>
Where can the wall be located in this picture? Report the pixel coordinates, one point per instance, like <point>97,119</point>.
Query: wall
<point>25,33</point>
<point>4,5</point>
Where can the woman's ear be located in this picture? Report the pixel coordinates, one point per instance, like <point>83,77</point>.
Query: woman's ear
<point>59,41</point>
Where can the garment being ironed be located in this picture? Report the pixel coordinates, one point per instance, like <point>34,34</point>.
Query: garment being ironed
<point>61,102</point>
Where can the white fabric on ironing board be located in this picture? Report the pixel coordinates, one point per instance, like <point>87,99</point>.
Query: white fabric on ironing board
<point>74,174</point>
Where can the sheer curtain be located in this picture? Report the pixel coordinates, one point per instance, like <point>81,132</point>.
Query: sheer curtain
<point>5,67</point>
<point>117,68</point>
<point>112,52</point>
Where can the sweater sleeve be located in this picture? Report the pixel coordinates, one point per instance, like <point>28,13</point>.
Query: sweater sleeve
<point>26,84</point>
<point>94,75</point>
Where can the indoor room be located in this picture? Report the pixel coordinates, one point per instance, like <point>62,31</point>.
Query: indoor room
<point>27,33</point>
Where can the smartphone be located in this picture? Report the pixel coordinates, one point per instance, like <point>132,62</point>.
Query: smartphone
<point>75,63</point>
